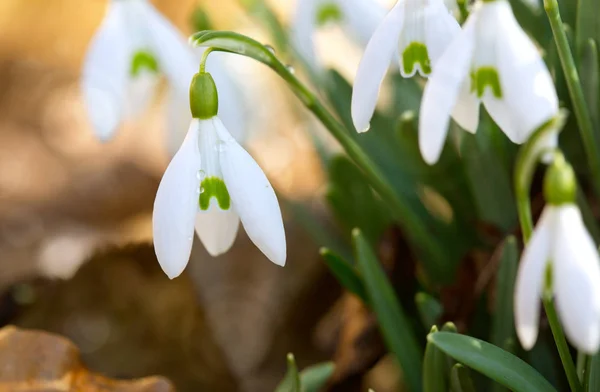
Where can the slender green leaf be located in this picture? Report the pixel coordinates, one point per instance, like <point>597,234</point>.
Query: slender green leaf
<point>460,379</point>
<point>590,80</point>
<point>314,378</point>
<point>593,378</point>
<point>588,22</point>
<point>395,327</point>
<point>435,371</point>
<point>503,329</point>
<point>429,308</point>
<point>291,381</point>
<point>345,273</point>
<point>491,361</point>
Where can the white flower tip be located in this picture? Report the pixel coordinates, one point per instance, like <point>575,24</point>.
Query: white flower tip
<point>279,259</point>
<point>364,128</point>
<point>527,335</point>
<point>103,112</point>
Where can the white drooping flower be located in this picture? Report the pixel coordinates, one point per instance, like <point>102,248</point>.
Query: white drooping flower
<point>560,260</point>
<point>358,19</point>
<point>211,185</point>
<point>491,61</point>
<point>133,46</point>
<point>418,32</point>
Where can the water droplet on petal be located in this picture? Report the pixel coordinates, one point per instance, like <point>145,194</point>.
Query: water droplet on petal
<point>201,190</point>
<point>201,175</point>
<point>290,69</point>
<point>270,48</point>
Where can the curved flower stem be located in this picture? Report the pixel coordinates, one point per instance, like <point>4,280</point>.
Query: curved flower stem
<point>524,169</point>
<point>378,181</point>
<point>586,126</point>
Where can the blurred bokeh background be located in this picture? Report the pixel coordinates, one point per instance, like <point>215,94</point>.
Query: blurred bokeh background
<point>75,222</point>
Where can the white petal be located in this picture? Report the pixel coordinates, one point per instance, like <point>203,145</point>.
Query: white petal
<point>176,205</point>
<point>577,280</point>
<point>177,116</point>
<point>528,95</point>
<point>530,279</point>
<point>252,197</point>
<point>303,29</point>
<point>106,71</point>
<point>373,67</point>
<point>361,18</point>
<point>232,108</point>
<point>466,111</point>
<point>217,228</point>
<point>440,29</point>
<point>443,91</point>
<point>140,91</point>
<point>175,58</point>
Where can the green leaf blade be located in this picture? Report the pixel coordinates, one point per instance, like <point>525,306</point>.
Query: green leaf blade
<point>491,361</point>
<point>345,273</point>
<point>394,325</point>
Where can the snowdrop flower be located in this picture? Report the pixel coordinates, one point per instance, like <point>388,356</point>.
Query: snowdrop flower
<point>562,260</point>
<point>418,31</point>
<point>492,60</point>
<point>134,45</point>
<point>211,184</point>
<point>358,18</point>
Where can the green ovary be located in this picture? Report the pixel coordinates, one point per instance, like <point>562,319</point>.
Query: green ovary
<point>483,78</point>
<point>143,60</point>
<point>214,187</point>
<point>416,53</point>
<point>328,12</point>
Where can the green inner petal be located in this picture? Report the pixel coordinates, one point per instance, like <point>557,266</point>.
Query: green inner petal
<point>416,53</point>
<point>214,187</point>
<point>143,60</point>
<point>328,12</point>
<point>486,77</point>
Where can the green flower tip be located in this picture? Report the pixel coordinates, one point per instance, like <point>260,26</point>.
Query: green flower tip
<point>329,12</point>
<point>560,183</point>
<point>433,329</point>
<point>416,53</point>
<point>486,77</point>
<point>214,187</point>
<point>204,100</point>
<point>143,60</point>
<point>449,326</point>
<point>356,232</point>
<point>324,251</point>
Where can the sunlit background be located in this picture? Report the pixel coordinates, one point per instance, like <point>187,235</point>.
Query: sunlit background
<point>75,219</point>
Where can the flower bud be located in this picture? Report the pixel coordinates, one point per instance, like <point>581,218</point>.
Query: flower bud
<point>204,101</point>
<point>560,183</point>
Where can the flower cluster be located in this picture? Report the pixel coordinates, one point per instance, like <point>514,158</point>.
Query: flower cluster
<point>491,60</point>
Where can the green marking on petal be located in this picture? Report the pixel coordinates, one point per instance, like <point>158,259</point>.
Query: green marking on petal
<point>214,187</point>
<point>486,77</point>
<point>329,12</point>
<point>143,60</point>
<point>416,53</point>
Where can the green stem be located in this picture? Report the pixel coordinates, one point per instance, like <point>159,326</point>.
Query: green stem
<point>203,59</point>
<point>524,169</point>
<point>378,181</point>
<point>586,126</point>
<point>561,345</point>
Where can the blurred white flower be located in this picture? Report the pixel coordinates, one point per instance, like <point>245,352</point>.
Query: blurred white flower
<point>133,46</point>
<point>358,19</point>
<point>211,184</point>
<point>562,251</point>
<point>492,60</point>
<point>418,31</point>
